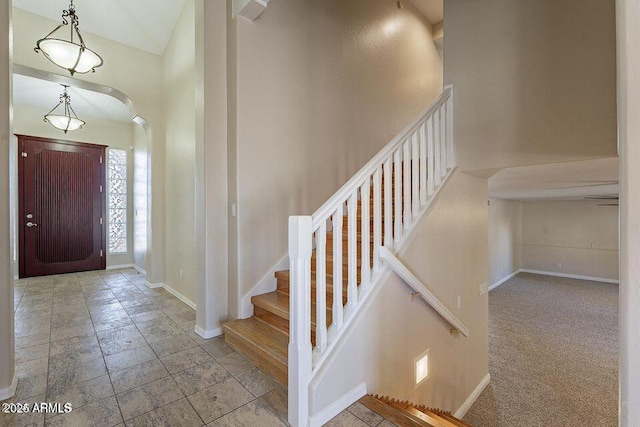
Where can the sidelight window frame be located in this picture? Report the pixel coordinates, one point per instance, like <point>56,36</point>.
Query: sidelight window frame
<point>117,209</point>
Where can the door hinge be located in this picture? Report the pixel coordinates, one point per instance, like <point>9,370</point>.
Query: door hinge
<point>101,188</point>
<point>100,253</point>
<point>100,159</point>
<point>24,154</point>
<point>100,221</point>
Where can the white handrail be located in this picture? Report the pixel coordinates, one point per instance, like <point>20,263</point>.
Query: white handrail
<point>415,283</point>
<point>328,207</point>
<point>382,203</point>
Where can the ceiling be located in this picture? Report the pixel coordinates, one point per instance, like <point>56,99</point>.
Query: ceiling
<point>143,24</point>
<point>44,95</point>
<point>431,9</point>
<point>561,181</point>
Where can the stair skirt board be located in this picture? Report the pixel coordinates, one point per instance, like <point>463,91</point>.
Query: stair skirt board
<point>265,284</point>
<point>338,406</point>
<point>10,391</point>
<point>462,410</point>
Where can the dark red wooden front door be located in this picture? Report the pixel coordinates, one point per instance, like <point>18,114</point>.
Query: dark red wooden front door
<point>62,205</point>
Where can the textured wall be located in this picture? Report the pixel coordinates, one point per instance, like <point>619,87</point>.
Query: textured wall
<point>535,80</point>
<point>179,112</point>
<point>505,238</point>
<point>321,87</point>
<point>571,237</point>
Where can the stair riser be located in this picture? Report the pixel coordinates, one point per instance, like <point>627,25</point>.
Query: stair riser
<point>260,359</point>
<point>283,288</point>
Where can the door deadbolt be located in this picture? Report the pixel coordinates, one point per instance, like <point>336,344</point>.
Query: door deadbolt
<point>29,216</point>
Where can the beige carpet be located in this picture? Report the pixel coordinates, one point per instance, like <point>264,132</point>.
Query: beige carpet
<point>553,354</point>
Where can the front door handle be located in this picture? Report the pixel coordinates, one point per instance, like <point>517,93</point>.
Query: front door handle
<point>31,224</point>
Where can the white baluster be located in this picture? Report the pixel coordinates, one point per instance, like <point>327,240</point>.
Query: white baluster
<point>450,130</point>
<point>337,269</point>
<point>423,165</point>
<point>415,172</point>
<point>321,288</point>
<point>388,204</point>
<point>397,198</point>
<point>352,254</point>
<point>437,174</point>
<point>443,140</point>
<point>430,157</point>
<point>406,158</point>
<point>300,238</point>
<point>377,218</point>
<point>365,274</point>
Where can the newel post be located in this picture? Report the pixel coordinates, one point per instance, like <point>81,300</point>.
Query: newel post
<point>300,245</point>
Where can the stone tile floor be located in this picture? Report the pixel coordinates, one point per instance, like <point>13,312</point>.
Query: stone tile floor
<point>124,354</point>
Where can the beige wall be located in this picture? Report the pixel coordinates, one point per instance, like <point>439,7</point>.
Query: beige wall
<point>138,75</point>
<point>321,87</point>
<point>141,197</point>
<point>178,64</point>
<point>570,237</point>
<point>28,121</point>
<point>6,275</point>
<point>628,13</point>
<point>505,238</point>
<point>534,80</point>
<point>449,254</point>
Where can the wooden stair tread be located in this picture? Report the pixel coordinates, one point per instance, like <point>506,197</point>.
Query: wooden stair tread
<point>278,303</point>
<point>265,346</point>
<point>435,421</point>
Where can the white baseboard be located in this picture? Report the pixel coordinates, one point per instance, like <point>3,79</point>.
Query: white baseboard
<point>570,276</point>
<point>117,267</point>
<point>173,292</point>
<point>141,271</point>
<point>338,406</point>
<point>264,285</point>
<point>7,392</point>
<point>212,333</point>
<point>462,410</point>
<point>504,279</point>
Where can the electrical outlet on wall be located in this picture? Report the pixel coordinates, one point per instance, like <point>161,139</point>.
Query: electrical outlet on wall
<point>181,274</point>
<point>459,302</point>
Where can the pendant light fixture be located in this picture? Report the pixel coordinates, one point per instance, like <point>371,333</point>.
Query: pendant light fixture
<point>72,54</point>
<point>66,119</point>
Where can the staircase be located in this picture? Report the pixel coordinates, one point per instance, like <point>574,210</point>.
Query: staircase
<point>404,413</point>
<point>265,336</point>
<point>336,256</point>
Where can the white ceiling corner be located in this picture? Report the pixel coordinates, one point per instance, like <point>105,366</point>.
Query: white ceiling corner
<point>433,10</point>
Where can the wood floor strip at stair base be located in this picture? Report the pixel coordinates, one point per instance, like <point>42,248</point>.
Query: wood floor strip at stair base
<point>392,414</point>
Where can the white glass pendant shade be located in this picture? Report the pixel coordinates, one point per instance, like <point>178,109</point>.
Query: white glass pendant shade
<point>64,123</point>
<point>70,56</point>
<point>62,115</point>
